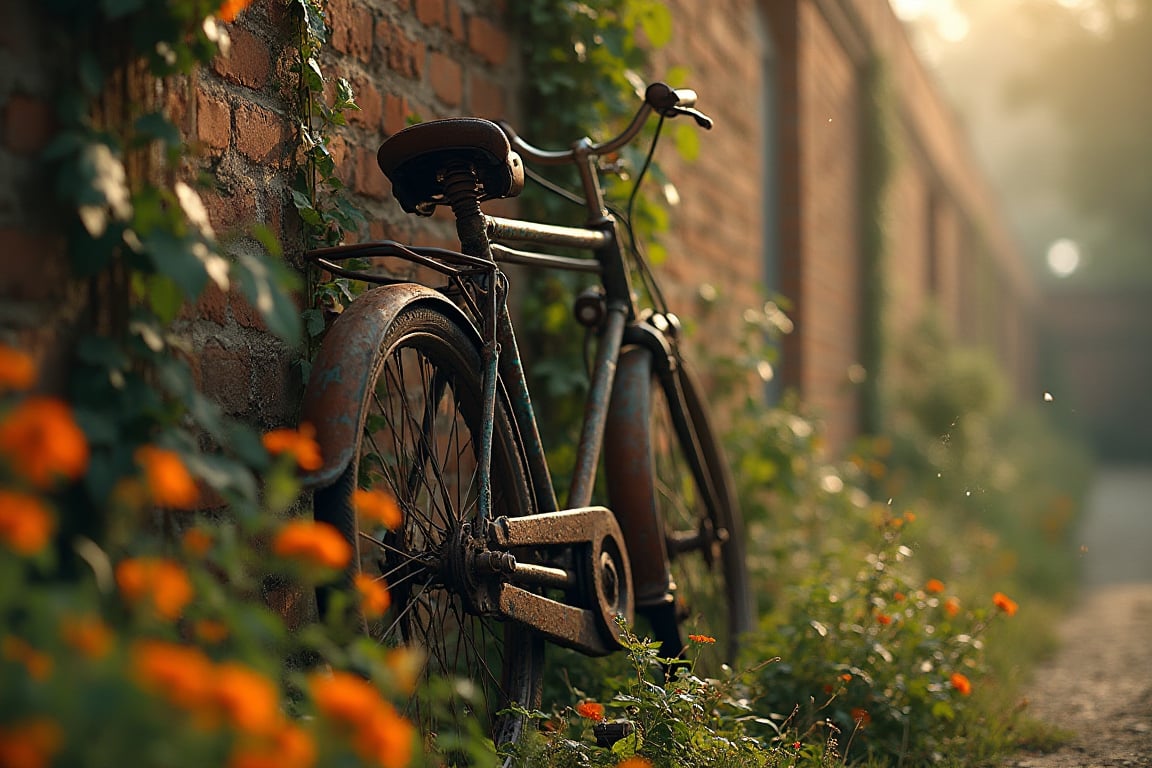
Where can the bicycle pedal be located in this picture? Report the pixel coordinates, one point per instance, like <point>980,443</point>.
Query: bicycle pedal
<point>608,733</point>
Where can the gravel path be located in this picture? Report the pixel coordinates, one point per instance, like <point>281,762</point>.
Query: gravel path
<point>1099,684</point>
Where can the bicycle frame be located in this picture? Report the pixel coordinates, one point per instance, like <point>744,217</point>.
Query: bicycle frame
<point>479,285</point>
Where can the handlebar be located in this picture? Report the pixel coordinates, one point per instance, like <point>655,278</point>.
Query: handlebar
<point>658,97</point>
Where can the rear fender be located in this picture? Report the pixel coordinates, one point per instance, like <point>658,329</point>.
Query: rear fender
<point>336,396</point>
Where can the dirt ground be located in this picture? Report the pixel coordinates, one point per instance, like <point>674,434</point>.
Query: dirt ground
<point>1099,684</point>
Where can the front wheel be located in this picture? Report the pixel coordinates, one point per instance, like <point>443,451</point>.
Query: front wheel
<point>670,485</point>
<point>419,438</point>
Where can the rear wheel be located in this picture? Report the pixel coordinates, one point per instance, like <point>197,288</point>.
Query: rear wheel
<point>419,440</point>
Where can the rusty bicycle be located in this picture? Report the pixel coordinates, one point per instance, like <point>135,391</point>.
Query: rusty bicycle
<point>421,388</point>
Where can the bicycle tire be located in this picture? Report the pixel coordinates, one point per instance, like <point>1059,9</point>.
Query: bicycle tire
<point>425,457</point>
<point>686,479</point>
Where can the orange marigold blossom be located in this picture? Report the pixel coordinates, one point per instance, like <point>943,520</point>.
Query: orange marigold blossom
<point>30,743</point>
<point>197,541</point>
<point>961,683</point>
<point>590,710</point>
<point>289,747</point>
<point>230,9</point>
<point>169,481</point>
<point>637,761</point>
<point>704,639</point>
<point>884,618</point>
<point>1005,603</point>
<point>43,443</point>
<point>210,631</point>
<point>17,649</point>
<point>17,369</point>
<point>87,634</point>
<point>299,443</point>
<point>386,738</point>
<point>952,606</point>
<point>344,697</point>
<point>179,673</point>
<point>377,506</point>
<point>860,716</point>
<point>898,597</point>
<point>934,586</point>
<point>314,542</point>
<point>248,700</point>
<point>160,584</point>
<point>374,597</point>
<point>26,525</point>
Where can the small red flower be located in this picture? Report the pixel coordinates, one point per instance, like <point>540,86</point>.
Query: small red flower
<point>1005,603</point>
<point>961,683</point>
<point>590,710</point>
<point>703,639</point>
<point>884,619</point>
<point>934,586</point>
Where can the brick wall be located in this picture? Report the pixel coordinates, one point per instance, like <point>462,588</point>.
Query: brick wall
<point>795,144</point>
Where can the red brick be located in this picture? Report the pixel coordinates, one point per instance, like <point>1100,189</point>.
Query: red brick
<point>34,264</point>
<point>456,21</point>
<point>249,61</point>
<point>396,113</point>
<point>225,374</point>
<point>447,78</point>
<point>230,212</point>
<point>486,97</point>
<point>369,179</point>
<point>404,55</point>
<point>213,121</point>
<point>244,313</point>
<point>371,103</point>
<point>351,28</point>
<point>28,123</point>
<point>431,13</point>
<point>260,134</point>
<point>212,305</point>
<point>487,40</point>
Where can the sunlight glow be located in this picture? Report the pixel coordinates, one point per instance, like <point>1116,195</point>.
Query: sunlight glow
<point>1063,257</point>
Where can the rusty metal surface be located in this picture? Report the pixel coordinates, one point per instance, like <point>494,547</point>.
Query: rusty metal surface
<point>342,376</point>
<point>628,472</point>
<point>603,576</point>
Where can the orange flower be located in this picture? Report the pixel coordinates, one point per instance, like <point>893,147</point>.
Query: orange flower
<point>377,506</point>
<point>300,444</point>
<point>26,525</point>
<point>636,761</point>
<point>952,606</point>
<point>87,634</point>
<point>386,738</point>
<point>169,481</point>
<point>1005,603</point>
<point>162,584</point>
<point>961,683</point>
<point>934,586</point>
<point>30,743</point>
<point>290,747</point>
<point>38,663</point>
<point>374,597</point>
<point>248,700</point>
<point>860,716</point>
<point>43,443</point>
<point>17,369</point>
<point>344,698</point>
<point>197,541</point>
<point>231,9</point>
<point>898,597</point>
<point>210,631</point>
<point>313,542</point>
<point>703,639</point>
<point>590,710</point>
<point>179,673</point>
<point>884,619</point>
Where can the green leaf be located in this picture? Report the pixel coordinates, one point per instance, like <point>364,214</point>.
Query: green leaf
<point>155,125</point>
<point>266,285</point>
<point>164,297</point>
<point>629,745</point>
<point>686,137</point>
<point>178,259</point>
<point>313,322</point>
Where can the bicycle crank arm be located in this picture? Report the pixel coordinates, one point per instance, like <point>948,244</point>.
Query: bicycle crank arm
<point>600,582</point>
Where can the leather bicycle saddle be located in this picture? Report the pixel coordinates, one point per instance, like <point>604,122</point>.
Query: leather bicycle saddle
<point>416,158</point>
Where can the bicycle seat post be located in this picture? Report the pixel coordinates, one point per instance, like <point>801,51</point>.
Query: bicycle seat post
<point>463,194</point>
